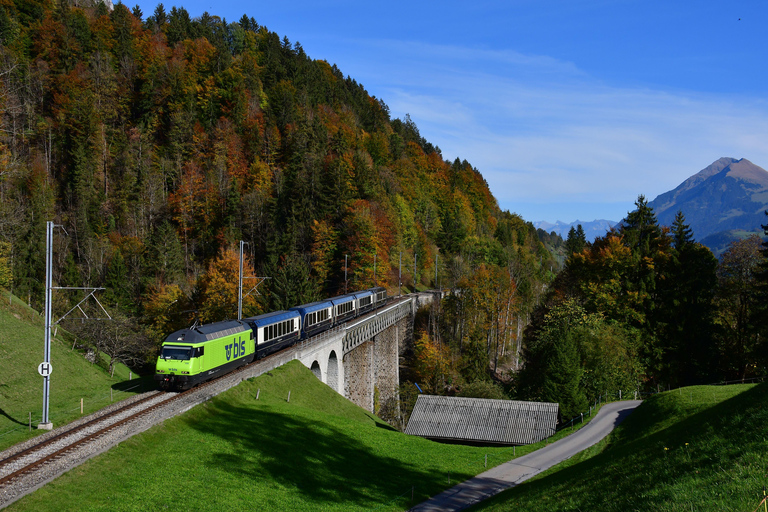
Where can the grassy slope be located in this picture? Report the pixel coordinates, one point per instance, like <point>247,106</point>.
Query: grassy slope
<point>694,449</point>
<point>318,452</point>
<point>21,387</point>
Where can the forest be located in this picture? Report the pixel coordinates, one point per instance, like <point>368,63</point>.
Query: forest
<point>157,143</point>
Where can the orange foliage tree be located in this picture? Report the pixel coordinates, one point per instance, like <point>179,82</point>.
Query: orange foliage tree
<point>218,288</point>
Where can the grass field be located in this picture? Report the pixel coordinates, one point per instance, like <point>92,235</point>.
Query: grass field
<point>316,452</point>
<point>73,377</point>
<point>702,448</point>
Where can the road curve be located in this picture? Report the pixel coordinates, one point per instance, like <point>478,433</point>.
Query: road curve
<point>522,468</point>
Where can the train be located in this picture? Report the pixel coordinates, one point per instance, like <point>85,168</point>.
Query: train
<point>199,353</point>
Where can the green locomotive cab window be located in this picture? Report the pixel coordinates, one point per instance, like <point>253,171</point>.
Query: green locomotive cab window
<point>177,353</point>
<point>199,351</point>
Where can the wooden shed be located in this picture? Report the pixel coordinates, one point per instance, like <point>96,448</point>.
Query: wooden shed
<point>482,420</point>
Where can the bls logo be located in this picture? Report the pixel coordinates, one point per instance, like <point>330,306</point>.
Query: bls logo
<point>236,349</point>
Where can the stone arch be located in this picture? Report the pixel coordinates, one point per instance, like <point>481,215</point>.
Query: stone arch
<point>332,373</point>
<point>316,370</point>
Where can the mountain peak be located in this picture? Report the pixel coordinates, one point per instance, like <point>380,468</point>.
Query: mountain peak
<point>729,194</point>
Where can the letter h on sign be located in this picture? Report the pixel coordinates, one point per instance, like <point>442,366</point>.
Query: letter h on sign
<point>45,369</point>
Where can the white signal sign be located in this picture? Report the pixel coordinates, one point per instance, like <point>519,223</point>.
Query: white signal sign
<point>45,369</point>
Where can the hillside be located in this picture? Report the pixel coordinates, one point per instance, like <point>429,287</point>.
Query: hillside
<point>698,448</point>
<point>729,195</point>
<point>73,378</point>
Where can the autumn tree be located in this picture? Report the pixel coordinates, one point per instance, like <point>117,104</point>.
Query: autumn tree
<point>217,289</point>
<point>431,364</point>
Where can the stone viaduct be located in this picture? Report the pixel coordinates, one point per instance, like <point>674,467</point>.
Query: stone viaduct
<point>362,356</point>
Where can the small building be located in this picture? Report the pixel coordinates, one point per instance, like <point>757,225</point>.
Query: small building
<point>482,420</point>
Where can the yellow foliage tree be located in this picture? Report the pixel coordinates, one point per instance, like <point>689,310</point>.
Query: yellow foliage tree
<point>218,288</point>
<point>431,363</point>
<point>165,308</point>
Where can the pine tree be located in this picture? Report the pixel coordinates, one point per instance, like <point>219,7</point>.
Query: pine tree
<point>576,241</point>
<point>682,232</point>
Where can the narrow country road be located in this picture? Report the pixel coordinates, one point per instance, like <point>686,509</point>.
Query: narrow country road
<point>522,468</point>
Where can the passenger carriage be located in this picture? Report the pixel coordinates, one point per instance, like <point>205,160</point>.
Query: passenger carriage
<point>379,296</point>
<point>275,331</point>
<point>315,317</point>
<point>364,301</point>
<point>344,308</point>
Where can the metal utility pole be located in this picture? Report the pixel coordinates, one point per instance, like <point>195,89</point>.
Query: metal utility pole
<point>345,273</point>
<point>414,270</point>
<point>400,274</point>
<point>437,260</point>
<point>374,270</point>
<point>240,284</point>
<point>45,367</point>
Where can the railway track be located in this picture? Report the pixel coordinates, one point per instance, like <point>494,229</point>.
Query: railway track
<point>30,459</point>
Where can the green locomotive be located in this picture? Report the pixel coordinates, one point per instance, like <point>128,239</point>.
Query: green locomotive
<point>199,353</point>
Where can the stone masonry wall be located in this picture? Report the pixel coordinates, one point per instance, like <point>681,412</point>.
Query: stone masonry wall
<point>375,365</point>
<point>358,375</point>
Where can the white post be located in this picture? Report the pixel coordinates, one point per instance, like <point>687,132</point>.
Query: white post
<point>400,274</point>
<point>437,259</point>
<point>240,285</point>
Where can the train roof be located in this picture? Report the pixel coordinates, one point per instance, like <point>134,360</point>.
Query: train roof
<point>364,293</point>
<point>207,332</point>
<point>271,318</point>
<point>312,306</point>
<point>341,299</point>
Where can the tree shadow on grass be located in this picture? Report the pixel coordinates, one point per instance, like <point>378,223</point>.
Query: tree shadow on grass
<point>318,459</point>
<point>3,413</point>
<point>641,473</point>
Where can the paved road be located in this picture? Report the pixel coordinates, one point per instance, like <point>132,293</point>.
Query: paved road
<point>522,468</point>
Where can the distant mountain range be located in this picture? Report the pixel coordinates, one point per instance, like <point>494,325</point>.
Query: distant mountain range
<point>592,229</point>
<point>723,202</point>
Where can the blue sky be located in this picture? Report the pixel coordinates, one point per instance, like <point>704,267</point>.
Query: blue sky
<point>569,109</point>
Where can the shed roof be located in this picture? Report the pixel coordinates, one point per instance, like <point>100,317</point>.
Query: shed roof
<point>482,420</point>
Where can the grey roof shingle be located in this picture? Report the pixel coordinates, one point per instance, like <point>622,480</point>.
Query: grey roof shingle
<point>483,420</point>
